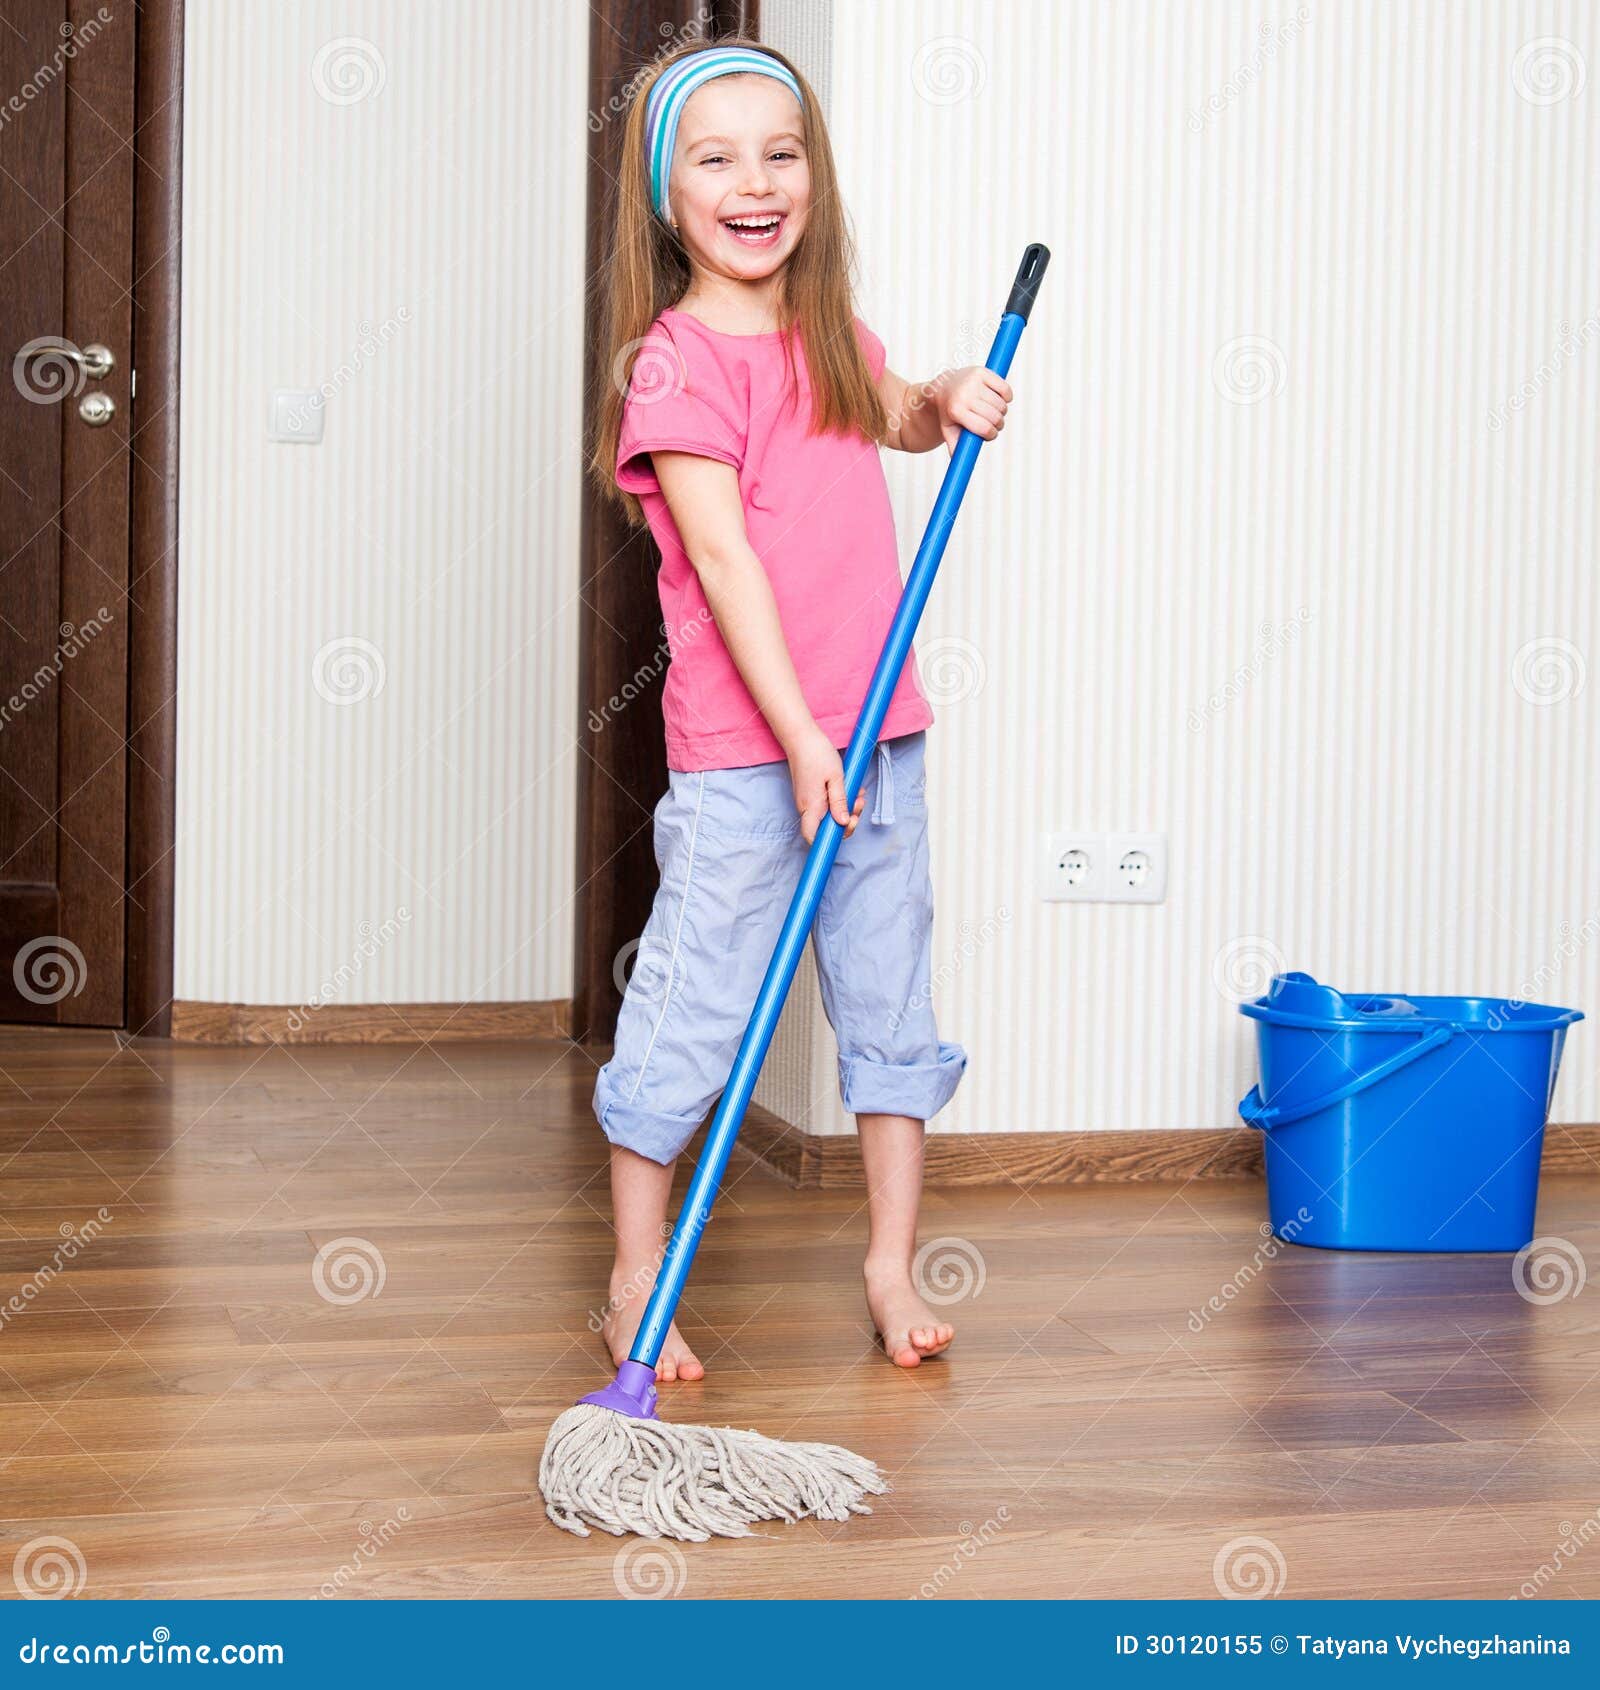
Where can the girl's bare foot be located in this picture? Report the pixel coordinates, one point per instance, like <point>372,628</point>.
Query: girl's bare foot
<point>909,1328</point>
<point>639,1191</point>
<point>629,1294</point>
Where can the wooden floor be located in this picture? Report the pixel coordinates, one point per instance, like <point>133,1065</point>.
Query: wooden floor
<point>201,1409</point>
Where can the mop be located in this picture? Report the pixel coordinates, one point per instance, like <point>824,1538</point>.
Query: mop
<point>609,1462</point>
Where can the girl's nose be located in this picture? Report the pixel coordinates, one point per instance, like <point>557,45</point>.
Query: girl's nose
<point>756,178</point>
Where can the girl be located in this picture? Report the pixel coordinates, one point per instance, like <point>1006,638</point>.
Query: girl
<point>744,427</point>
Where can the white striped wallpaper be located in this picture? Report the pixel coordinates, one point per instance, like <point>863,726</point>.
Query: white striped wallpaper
<point>1289,547</point>
<point>1287,552</point>
<point>377,656</point>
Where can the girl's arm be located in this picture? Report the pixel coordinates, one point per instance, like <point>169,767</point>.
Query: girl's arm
<point>703,496</point>
<point>923,413</point>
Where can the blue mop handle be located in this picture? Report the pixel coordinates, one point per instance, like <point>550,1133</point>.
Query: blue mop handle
<point>729,1117</point>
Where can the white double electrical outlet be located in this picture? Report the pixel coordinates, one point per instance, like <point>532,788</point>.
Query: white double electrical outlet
<point>1105,868</point>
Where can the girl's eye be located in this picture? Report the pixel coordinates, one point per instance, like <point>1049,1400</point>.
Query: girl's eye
<point>722,158</point>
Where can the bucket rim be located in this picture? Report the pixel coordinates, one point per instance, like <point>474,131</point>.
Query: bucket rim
<point>1548,1017</point>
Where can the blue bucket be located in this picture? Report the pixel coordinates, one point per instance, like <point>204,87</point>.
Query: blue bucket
<point>1402,1123</point>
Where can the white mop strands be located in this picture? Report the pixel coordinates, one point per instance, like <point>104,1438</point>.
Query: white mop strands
<point>621,1474</point>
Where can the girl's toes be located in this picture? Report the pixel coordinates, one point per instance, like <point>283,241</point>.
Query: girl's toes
<point>903,1354</point>
<point>690,1367</point>
<point>666,1370</point>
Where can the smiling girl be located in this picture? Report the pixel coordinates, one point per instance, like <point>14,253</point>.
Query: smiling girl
<point>744,427</point>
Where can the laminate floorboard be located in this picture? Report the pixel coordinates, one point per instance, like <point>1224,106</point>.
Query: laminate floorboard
<point>279,1322</point>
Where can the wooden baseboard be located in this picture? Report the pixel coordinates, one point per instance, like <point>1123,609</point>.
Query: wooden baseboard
<point>1103,1158</point>
<point>368,1023</point>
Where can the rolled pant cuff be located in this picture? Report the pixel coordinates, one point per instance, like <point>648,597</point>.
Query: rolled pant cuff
<point>918,1090</point>
<point>646,1132</point>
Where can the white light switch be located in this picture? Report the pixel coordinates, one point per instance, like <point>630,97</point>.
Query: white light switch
<point>295,417</point>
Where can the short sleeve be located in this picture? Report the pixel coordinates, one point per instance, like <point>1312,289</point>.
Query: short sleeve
<point>678,400</point>
<point>877,357</point>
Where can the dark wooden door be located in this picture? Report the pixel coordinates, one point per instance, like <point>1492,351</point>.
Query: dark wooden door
<point>66,275</point>
<point>623,771</point>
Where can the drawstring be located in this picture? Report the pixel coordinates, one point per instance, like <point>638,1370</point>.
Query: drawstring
<point>883,801</point>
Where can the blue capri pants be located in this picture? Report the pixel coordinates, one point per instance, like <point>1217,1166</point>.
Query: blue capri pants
<point>730,851</point>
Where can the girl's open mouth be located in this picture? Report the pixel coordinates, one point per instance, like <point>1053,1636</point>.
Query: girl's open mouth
<point>760,229</point>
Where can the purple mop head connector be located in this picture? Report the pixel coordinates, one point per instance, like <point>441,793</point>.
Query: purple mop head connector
<point>633,1391</point>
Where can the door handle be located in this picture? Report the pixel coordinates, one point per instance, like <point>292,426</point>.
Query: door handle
<point>95,361</point>
<point>92,363</point>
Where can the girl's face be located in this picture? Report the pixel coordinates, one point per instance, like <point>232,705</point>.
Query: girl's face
<point>741,183</point>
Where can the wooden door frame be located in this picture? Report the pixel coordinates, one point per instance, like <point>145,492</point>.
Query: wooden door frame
<point>622,765</point>
<point>152,607</point>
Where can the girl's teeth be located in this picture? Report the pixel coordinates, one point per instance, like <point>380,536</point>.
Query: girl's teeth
<point>754,235</point>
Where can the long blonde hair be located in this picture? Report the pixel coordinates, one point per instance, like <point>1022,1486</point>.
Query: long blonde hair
<point>648,270</point>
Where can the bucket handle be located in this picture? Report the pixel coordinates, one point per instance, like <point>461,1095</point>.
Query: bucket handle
<point>1259,1114</point>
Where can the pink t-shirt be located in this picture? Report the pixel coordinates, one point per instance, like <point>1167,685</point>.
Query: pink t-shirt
<point>817,513</point>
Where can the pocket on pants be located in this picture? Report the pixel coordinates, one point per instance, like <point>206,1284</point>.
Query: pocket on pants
<point>751,803</point>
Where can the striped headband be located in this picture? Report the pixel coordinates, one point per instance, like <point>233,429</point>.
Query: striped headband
<point>670,92</point>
